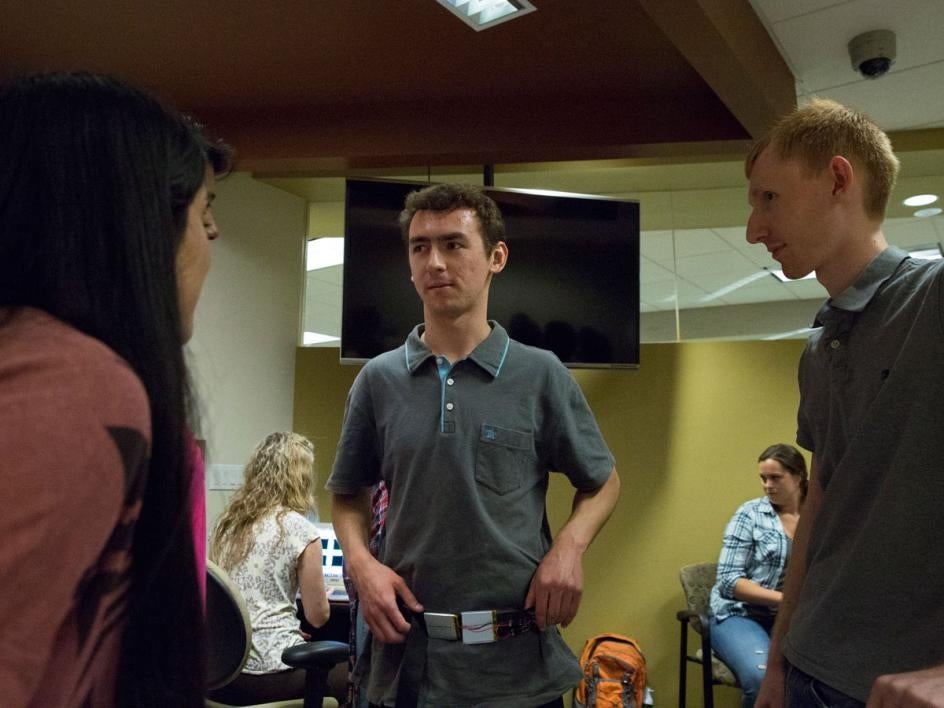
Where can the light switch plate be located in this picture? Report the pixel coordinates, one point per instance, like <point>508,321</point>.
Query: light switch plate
<point>226,477</point>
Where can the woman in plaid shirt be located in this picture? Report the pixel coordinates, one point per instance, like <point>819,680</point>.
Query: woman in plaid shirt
<point>752,567</point>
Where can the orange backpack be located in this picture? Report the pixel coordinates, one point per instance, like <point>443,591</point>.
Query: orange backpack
<point>614,673</point>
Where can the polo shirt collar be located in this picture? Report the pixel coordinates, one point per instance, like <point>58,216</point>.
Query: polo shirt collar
<point>488,355</point>
<point>857,296</point>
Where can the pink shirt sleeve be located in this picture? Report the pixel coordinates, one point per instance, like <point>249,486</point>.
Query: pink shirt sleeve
<point>198,509</point>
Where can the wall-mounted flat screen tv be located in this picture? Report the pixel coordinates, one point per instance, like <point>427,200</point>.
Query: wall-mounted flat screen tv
<point>571,284</point>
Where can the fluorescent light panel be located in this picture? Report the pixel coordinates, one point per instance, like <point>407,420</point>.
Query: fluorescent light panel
<point>482,14</point>
<point>324,252</point>
<point>778,274</point>
<point>793,334</point>
<point>310,338</point>
<point>927,253</point>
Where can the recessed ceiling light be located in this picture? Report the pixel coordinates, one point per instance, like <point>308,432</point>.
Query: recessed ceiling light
<point>482,14</point>
<point>920,200</point>
<point>324,252</point>
<point>924,213</point>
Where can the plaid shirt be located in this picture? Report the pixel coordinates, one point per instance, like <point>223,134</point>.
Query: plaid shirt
<point>755,547</point>
<point>379,499</point>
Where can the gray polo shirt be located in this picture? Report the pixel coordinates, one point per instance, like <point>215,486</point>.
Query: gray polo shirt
<point>871,396</point>
<point>466,454</point>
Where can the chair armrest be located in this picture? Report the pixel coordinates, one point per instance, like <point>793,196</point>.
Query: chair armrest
<point>323,653</point>
<point>699,621</point>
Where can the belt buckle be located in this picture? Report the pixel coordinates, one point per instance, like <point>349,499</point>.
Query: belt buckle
<point>442,625</point>
<point>478,627</point>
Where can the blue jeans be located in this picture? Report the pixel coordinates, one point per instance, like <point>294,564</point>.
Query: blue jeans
<point>804,691</point>
<point>742,644</point>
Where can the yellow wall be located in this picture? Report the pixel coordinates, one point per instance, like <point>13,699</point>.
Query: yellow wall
<point>686,429</point>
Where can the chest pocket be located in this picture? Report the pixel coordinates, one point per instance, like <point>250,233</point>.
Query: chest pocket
<point>501,458</point>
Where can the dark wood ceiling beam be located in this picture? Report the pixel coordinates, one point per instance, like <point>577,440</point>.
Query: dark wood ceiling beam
<point>465,132</point>
<point>727,45</point>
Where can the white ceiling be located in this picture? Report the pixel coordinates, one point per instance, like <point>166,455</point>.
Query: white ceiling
<point>813,35</point>
<point>693,252</point>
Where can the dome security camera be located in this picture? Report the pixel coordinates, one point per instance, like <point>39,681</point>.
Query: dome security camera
<point>873,53</point>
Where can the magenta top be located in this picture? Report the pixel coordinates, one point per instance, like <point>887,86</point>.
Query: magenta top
<point>198,508</point>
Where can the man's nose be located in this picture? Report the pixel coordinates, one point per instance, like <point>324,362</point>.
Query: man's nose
<point>435,260</point>
<point>755,231</point>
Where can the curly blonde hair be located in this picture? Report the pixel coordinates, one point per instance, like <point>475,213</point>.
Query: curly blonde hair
<point>279,477</point>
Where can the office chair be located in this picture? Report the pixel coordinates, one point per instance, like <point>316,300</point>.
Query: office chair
<point>697,581</point>
<point>229,637</point>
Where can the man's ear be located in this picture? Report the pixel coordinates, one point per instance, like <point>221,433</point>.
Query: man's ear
<point>499,257</point>
<point>841,173</point>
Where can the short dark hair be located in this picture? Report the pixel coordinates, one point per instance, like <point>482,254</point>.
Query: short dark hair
<point>447,197</point>
<point>792,461</point>
<point>95,183</point>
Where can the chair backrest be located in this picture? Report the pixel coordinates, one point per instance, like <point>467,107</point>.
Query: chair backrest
<point>697,580</point>
<point>229,631</point>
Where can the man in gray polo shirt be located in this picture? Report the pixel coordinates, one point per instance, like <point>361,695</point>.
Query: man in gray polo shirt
<point>464,424</point>
<point>862,617</point>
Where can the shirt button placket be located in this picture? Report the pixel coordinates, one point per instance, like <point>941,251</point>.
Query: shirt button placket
<point>449,406</point>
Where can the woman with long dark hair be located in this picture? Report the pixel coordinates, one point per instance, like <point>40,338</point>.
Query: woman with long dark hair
<point>105,223</point>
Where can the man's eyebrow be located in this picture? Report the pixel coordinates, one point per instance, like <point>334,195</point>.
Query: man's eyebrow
<point>452,236</point>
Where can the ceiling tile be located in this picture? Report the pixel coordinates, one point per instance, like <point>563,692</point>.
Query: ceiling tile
<point>816,42</point>
<point>651,272</point>
<point>764,290</point>
<point>661,296</point>
<point>938,223</point>
<point>733,264</point>
<point>656,245</point>
<point>778,10</point>
<point>807,289</point>
<point>908,233</point>
<point>715,284</point>
<point>902,99</point>
<point>696,242</point>
<point>332,275</point>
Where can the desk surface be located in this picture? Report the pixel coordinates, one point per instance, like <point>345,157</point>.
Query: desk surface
<point>338,626</point>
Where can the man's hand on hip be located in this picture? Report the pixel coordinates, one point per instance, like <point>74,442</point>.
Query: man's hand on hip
<point>914,689</point>
<point>556,587</point>
<point>378,589</point>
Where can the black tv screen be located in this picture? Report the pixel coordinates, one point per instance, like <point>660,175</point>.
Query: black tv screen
<point>571,284</point>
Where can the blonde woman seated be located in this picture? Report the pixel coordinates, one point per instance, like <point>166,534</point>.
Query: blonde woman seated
<point>271,552</point>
